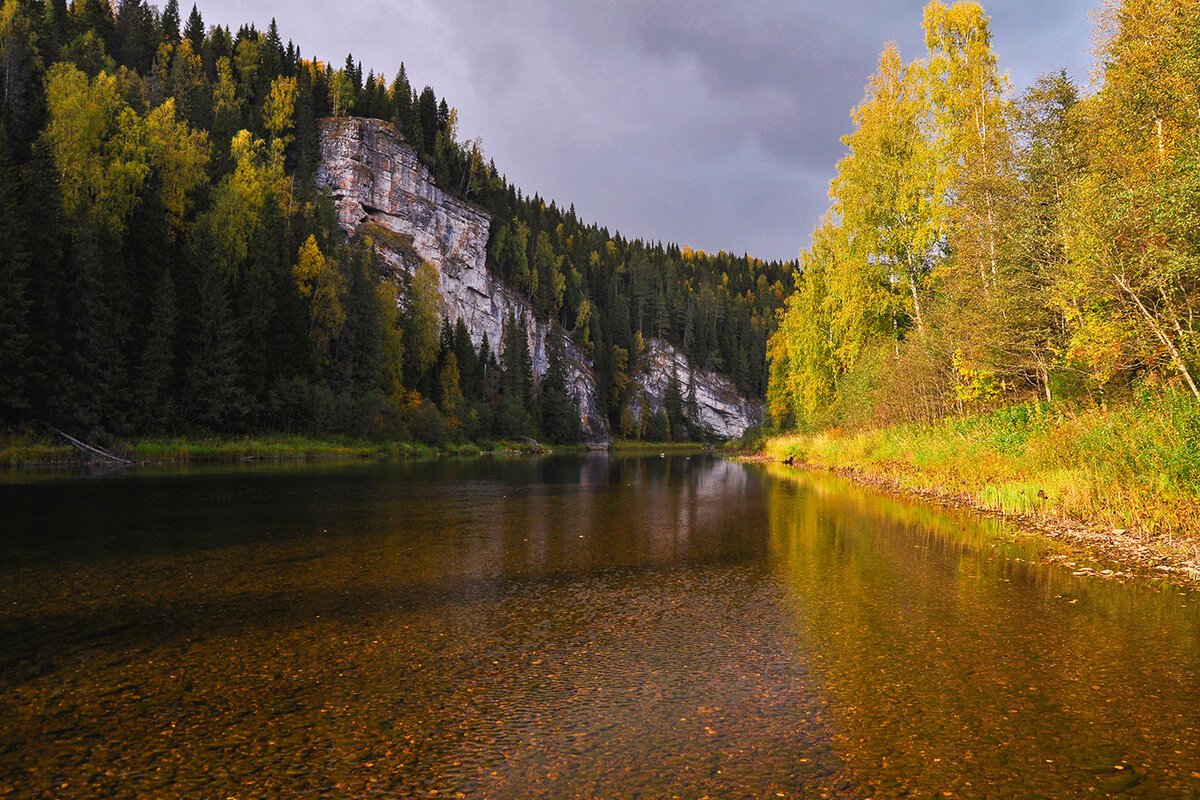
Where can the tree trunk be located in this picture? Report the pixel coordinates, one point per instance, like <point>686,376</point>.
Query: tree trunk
<point>912,285</point>
<point>1161,335</point>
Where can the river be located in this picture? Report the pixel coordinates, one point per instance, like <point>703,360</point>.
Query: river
<point>570,627</point>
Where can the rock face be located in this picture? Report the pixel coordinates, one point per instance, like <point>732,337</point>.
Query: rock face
<point>718,407</point>
<point>382,188</point>
<point>381,185</point>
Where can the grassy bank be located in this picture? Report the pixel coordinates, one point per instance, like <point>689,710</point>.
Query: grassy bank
<point>636,446</point>
<point>1134,468</point>
<point>26,450</point>
<point>31,450</point>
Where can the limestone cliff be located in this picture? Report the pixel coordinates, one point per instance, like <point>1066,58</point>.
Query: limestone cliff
<point>381,187</point>
<point>714,401</point>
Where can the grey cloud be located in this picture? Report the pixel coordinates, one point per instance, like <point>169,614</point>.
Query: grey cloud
<point>709,123</point>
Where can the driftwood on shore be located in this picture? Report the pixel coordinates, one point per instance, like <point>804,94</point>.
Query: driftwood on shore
<point>92,450</point>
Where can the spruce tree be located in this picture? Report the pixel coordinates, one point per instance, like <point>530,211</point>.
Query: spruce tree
<point>427,119</point>
<point>20,71</point>
<point>56,31</point>
<point>170,22</point>
<point>94,394</point>
<point>516,375</point>
<point>215,400</point>
<point>137,35</point>
<point>673,406</point>
<point>560,419</point>
<point>402,100</point>
<point>156,372</point>
<point>692,411</point>
<point>469,367</point>
<point>15,263</point>
<point>195,29</point>
<point>96,17</point>
<point>273,55</point>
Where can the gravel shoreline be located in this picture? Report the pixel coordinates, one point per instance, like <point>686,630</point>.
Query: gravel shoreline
<point>1130,553</point>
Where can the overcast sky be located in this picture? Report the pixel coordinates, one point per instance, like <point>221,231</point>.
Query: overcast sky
<point>712,124</point>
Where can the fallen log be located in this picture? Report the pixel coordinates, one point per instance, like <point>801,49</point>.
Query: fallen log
<point>92,450</point>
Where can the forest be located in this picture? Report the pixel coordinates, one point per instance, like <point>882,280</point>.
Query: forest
<point>985,248</point>
<point>168,264</point>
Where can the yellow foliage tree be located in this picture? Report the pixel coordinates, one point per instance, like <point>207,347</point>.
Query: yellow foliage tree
<point>239,200</point>
<point>98,146</point>
<point>179,157</point>
<point>279,108</point>
<point>319,281</point>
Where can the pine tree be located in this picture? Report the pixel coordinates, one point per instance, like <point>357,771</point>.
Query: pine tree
<point>156,372</point>
<point>170,22</point>
<point>20,70</point>
<point>215,399</point>
<point>15,263</point>
<point>513,418</point>
<point>137,35</point>
<point>402,100</point>
<point>560,419</point>
<point>427,120</point>
<point>93,398</point>
<point>673,406</point>
<point>195,29</point>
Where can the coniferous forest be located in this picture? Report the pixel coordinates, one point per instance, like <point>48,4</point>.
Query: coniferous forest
<point>169,264</point>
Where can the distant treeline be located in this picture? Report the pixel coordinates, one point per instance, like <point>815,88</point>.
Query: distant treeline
<point>168,264</point>
<point>983,249</point>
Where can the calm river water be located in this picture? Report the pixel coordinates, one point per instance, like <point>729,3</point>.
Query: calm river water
<point>567,627</point>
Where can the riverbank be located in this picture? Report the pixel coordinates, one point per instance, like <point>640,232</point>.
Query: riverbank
<point>18,451</point>
<point>27,450</point>
<point>1121,485</point>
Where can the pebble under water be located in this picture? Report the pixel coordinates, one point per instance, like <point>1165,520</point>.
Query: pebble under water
<point>567,627</point>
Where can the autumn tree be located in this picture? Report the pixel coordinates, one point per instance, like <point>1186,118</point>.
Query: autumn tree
<point>422,319</point>
<point>319,281</point>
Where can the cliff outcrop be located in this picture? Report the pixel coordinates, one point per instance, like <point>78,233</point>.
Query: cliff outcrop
<point>710,399</point>
<point>382,188</point>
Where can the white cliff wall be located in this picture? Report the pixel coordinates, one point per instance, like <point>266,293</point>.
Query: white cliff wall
<point>719,408</point>
<point>378,181</point>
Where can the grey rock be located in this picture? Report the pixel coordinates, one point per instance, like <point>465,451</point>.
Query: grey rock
<point>380,184</point>
<point>719,408</point>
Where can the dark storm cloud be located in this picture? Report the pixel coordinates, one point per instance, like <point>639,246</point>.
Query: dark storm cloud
<point>714,124</point>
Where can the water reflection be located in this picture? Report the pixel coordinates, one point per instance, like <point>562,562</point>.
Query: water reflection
<point>956,665</point>
<point>566,627</point>
<point>551,628</point>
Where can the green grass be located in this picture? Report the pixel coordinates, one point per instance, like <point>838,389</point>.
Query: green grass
<point>24,449</point>
<point>639,446</point>
<point>1135,467</point>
